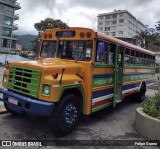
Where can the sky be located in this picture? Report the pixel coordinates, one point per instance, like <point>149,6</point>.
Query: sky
<point>82,13</point>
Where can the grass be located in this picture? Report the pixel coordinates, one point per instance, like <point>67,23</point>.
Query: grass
<point>151,106</point>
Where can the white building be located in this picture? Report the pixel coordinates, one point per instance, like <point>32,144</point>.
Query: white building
<point>7,26</point>
<point>120,24</point>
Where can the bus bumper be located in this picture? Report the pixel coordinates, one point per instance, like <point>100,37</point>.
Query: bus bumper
<point>23,104</point>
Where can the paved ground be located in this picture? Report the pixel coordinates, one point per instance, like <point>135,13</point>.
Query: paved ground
<point>108,124</point>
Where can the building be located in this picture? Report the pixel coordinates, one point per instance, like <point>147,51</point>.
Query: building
<point>120,24</point>
<point>7,26</point>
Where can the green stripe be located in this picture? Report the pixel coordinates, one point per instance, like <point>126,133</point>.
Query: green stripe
<point>70,86</point>
<point>137,77</point>
<point>99,82</point>
<point>103,66</point>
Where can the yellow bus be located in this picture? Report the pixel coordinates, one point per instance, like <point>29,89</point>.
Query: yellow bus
<point>78,71</point>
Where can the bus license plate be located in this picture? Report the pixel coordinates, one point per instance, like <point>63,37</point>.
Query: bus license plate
<point>13,101</point>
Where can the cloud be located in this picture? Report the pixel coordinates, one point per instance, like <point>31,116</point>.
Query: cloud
<point>83,12</point>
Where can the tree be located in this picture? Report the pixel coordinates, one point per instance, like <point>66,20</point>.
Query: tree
<point>48,23</point>
<point>149,38</point>
<point>158,26</point>
<point>142,38</point>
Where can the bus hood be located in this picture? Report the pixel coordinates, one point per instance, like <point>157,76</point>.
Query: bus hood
<point>49,65</point>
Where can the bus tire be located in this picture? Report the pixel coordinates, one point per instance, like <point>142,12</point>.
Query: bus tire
<point>65,116</point>
<point>9,110</point>
<point>140,96</point>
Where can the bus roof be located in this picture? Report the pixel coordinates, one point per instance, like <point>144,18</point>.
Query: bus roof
<point>106,37</point>
<point>123,43</point>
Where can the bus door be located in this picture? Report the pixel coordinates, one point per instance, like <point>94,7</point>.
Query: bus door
<point>103,75</point>
<point>118,75</point>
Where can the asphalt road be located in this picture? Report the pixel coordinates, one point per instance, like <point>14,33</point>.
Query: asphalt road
<point>108,124</point>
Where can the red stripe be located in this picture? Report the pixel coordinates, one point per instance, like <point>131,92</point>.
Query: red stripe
<point>99,103</point>
<point>129,93</point>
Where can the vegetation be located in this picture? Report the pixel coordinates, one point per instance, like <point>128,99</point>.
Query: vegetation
<point>150,39</point>
<point>26,41</point>
<point>48,23</point>
<point>151,107</point>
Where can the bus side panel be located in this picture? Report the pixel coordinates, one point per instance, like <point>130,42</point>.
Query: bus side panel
<point>133,77</point>
<point>102,88</point>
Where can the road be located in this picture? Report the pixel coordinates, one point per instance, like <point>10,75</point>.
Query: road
<point>109,124</point>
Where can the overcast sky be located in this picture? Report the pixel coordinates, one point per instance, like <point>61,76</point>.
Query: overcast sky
<point>82,12</point>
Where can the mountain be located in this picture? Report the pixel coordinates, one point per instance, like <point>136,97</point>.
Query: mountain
<point>26,41</point>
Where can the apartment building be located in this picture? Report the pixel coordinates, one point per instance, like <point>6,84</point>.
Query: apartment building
<point>120,23</point>
<point>7,25</point>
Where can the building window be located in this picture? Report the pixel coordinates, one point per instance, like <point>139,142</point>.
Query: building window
<point>107,28</point>
<point>8,21</point>
<point>107,33</point>
<point>101,18</point>
<point>100,28</point>
<point>8,10</point>
<point>113,28</point>
<point>6,32</point>
<point>114,16</point>
<point>100,23</point>
<point>120,32</point>
<point>114,22</point>
<point>5,43</point>
<point>107,17</point>
<point>107,23</point>
<point>113,33</point>
<point>121,14</point>
<point>121,20</point>
<point>120,25</point>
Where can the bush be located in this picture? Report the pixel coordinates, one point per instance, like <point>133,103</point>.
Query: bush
<point>151,107</point>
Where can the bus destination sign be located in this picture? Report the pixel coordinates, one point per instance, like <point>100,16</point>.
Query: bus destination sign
<point>64,34</point>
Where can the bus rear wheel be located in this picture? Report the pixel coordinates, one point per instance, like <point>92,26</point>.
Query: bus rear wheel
<point>65,116</point>
<point>140,96</point>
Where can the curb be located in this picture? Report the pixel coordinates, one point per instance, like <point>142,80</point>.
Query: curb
<point>146,125</point>
<point>3,111</point>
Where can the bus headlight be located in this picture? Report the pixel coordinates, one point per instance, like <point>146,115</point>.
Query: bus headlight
<point>5,79</point>
<point>46,90</point>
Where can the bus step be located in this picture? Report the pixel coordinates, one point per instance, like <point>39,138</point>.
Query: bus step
<point>118,101</point>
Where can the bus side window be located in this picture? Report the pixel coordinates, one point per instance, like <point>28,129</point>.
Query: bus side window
<point>132,57</point>
<point>127,56</point>
<point>112,53</point>
<point>100,51</point>
<point>137,58</point>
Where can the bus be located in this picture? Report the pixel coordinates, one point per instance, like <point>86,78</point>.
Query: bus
<point>78,71</point>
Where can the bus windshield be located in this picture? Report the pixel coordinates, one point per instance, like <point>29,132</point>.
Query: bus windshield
<point>68,49</point>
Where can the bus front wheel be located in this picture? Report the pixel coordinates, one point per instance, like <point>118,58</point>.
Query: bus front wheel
<point>65,116</point>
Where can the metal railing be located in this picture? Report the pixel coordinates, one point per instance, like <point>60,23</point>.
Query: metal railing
<point>16,15</point>
<point>12,2</point>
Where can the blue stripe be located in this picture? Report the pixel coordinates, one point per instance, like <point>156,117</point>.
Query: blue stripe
<point>103,75</point>
<point>101,93</point>
<point>150,81</point>
<point>130,86</point>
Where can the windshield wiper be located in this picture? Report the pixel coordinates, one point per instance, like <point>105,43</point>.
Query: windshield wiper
<point>80,54</point>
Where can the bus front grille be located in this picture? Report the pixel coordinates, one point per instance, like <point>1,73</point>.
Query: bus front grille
<point>24,80</point>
